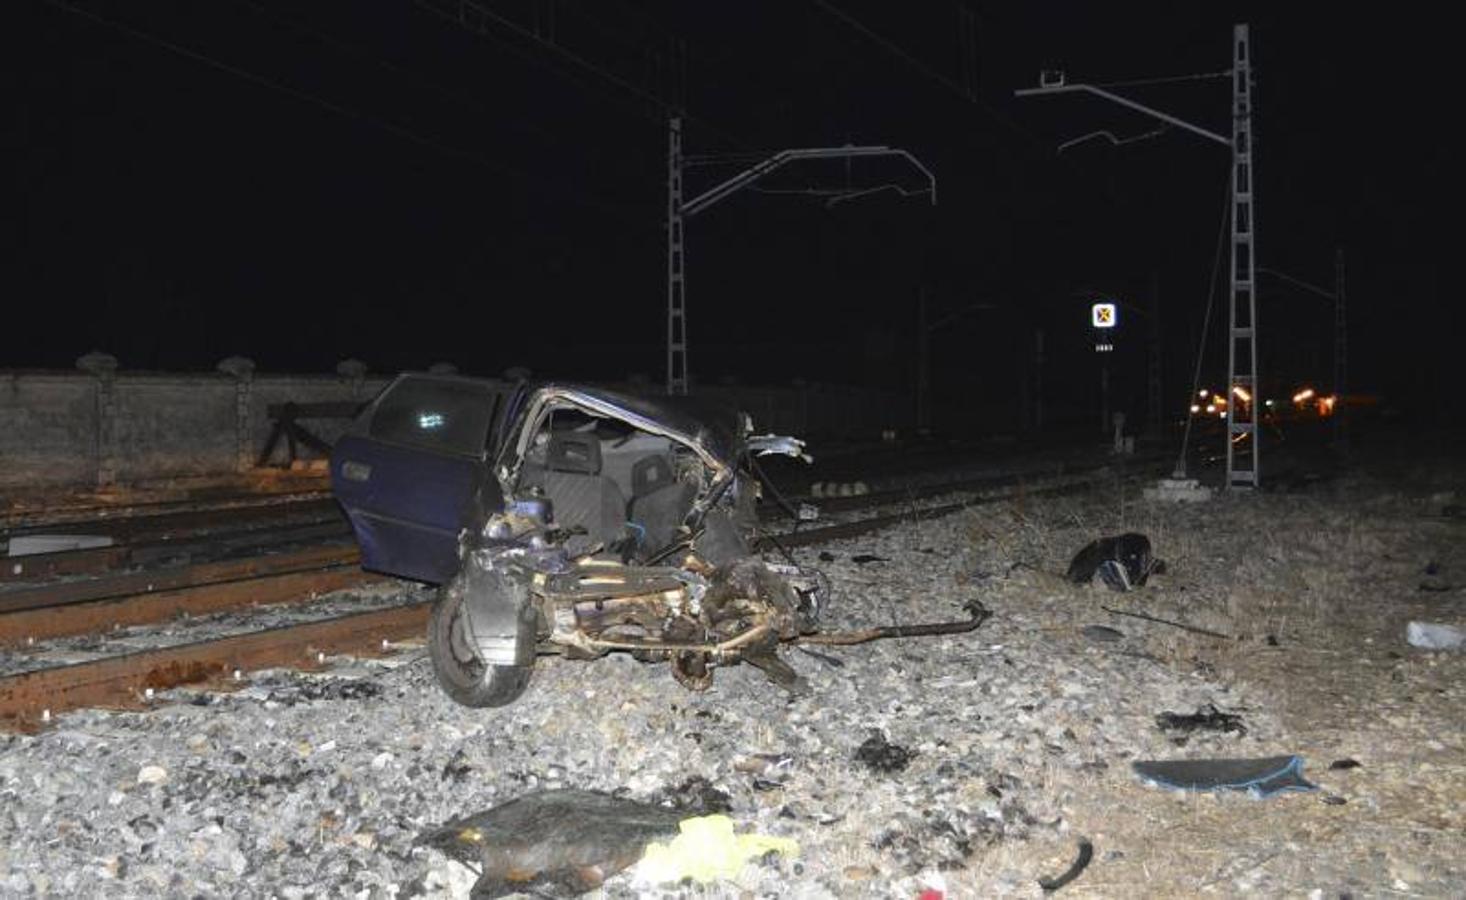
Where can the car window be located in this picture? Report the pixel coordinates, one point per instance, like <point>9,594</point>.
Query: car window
<point>442,416</point>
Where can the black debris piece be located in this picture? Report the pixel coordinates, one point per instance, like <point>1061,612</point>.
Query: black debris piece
<point>552,843</point>
<point>879,755</point>
<point>826,556</point>
<point>695,796</point>
<point>1206,718</point>
<point>1102,634</point>
<point>861,559</point>
<point>1122,562</point>
<point>1086,853</point>
<point>1339,765</point>
<point>1334,800</point>
<point>1272,640</point>
<point>456,767</point>
<point>308,689</point>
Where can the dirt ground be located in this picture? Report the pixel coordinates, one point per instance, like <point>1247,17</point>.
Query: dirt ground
<point>1316,585</point>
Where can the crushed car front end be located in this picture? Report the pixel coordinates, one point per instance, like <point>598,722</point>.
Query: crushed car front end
<point>626,526</point>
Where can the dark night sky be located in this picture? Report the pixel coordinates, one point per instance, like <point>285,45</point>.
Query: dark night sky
<point>299,183</point>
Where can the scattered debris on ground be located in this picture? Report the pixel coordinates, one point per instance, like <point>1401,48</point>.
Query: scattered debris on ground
<point>880,755</point>
<point>1259,777</point>
<point>1206,718</point>
<point>563,842</point>
<point>1019,735</point>
<point>1435,636</point>
<point>707,849</point>
<point>1081,862</point>
<point>1123,562</point>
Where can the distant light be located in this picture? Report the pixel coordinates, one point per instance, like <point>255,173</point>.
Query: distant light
<point>1222,414</point>
<point>1303,396</point>
<point>1267,403</point>
<point>1202,393</point>
<point>1104,315</point>
<point>1241,393</point>
<point>1195,408</point>
<point>1211,407</point>
<point>430,421</point>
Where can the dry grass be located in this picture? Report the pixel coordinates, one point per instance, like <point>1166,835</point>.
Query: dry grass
<point>1331,579</point>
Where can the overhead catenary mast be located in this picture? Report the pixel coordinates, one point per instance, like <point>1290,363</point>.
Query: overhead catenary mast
<point>679,210</point>
<point>1243,393</point>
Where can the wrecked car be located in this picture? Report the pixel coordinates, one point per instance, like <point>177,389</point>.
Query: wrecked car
<point>572,520</point>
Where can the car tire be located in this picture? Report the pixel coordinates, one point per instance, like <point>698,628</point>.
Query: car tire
<point>462,675</point>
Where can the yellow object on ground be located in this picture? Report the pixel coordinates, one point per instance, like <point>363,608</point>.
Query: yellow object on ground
<point>706,849</point>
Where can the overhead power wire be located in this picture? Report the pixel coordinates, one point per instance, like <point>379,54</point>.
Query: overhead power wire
<point>366,53</point>
<point>1166,79</point>
<point>928,71</point>
<point>436,8</point>
<point>619,212</point>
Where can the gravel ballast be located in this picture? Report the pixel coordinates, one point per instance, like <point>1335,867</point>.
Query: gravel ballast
<point>974,764</point>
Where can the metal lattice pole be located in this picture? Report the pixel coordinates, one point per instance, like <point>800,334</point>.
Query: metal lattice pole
<point>676,266</point>
<point>680,210</point>
<point>1243,469</point>
<point>1243,452</point>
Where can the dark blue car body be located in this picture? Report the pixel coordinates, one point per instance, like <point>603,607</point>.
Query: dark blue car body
<point>414,470</point>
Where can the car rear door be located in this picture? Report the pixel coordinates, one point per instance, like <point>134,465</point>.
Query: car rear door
<point>413,470</point>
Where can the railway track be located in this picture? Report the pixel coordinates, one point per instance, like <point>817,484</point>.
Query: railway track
<point>43,518</point>
<point>36,612</point>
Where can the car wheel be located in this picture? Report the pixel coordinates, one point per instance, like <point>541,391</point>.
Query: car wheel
<point>462,674</point>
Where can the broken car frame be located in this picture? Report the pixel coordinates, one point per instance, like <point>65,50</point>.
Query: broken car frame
<point>578,521</point>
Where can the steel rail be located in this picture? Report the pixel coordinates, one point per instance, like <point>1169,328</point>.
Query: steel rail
<point>19,629</point>
<point>131,584</point>
<point>161,552</point>
<point>29,700</point>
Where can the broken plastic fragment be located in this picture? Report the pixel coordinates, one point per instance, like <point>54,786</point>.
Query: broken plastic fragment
<point>707,849</point>
<point>1086,853</point>
<point>781,444</point>
<point>559,842</point>
<point>1435,636</point>
<point>1259,777</point>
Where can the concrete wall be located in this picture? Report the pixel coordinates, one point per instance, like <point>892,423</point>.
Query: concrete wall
<point>80,429</point>
<point>48,429</point>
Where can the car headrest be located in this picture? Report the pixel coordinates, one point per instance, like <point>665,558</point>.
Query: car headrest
<point>573,452</point>
<point>650,473</point>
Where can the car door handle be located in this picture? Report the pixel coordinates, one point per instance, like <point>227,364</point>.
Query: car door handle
<point>356,471</point>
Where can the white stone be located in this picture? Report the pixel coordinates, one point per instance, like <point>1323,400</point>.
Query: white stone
<point>152,775</point>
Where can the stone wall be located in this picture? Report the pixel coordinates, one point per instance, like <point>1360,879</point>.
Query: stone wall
<point>103,428</point>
